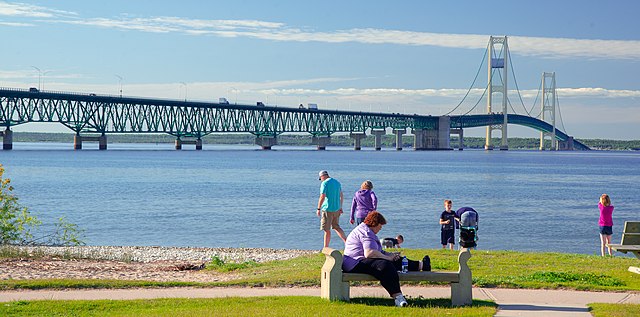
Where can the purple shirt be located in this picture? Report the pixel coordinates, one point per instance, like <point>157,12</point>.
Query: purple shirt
<point>606,218</point>
<point>360,238</point>
<point>364,201</point>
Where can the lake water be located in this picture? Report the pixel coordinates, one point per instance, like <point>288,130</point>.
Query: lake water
<point>238,196</point>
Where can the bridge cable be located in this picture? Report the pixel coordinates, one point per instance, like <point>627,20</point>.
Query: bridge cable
<point>560,113</point>
<point>536,101</point>
<point>484,56</point>
<point>517,88</point>
<point>511,106</point>
<point>486,88</point>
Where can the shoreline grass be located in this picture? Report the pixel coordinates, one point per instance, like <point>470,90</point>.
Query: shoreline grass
<point>503,269</point>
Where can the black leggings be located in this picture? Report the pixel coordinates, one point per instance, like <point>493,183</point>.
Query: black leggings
<point>385,271</point>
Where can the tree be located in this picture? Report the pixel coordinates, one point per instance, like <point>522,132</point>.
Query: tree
<point>17,223</point>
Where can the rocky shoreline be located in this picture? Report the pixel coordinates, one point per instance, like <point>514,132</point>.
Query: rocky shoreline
<point>147,254</point>
<point>142,263</point>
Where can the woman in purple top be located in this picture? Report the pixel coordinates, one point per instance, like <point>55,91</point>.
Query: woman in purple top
<point>605,222</point>
<point>364,202</point>
<point>363,254</point>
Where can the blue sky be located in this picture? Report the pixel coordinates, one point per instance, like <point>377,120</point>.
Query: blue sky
<point>401,56</point>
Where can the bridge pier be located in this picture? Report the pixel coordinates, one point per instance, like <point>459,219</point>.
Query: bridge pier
<point>399,133</point>
<point>460,133</point>
<point>567,145</point>
<point>266,142</point>
<point>197,142</point>
<point>78,139</point>
<point>357,139</point>
<point>378,138</point>
<point>438,139</point>
<point>321,142</point>
<point>7,139</point>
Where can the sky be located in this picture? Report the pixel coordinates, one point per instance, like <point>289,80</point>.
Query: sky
<point>423,57</point>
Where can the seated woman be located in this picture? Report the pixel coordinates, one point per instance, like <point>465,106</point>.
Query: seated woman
<point>363,254</point>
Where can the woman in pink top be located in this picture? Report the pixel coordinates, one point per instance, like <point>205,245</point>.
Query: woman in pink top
<point>605,222</point>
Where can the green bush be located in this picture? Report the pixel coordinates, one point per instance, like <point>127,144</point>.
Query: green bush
<point>17,223</point>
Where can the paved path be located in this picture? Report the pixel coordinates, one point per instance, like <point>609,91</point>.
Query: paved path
<point>512,302</point>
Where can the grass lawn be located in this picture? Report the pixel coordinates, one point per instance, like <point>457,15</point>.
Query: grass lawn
<point>253,306</point>
<point>490,269</point>
<point>509,269</point>
<point>615,310</point>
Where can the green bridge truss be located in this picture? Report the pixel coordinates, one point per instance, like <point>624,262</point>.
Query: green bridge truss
<point>111,114</point>
<point>90,113</point>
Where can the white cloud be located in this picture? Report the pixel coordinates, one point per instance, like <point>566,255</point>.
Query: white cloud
<point>15,24</point>
<point>530,46</point>
<point>18,9</point>
<point>597,92</point>
<point>275,31</point>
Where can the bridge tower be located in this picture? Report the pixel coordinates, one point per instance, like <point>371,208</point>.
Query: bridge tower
<point>549,109</point>
<point>497,60</point>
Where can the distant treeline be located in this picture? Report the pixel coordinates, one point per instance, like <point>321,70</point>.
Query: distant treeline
<point>336,140</point>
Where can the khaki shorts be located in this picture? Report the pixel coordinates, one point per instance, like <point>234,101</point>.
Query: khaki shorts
<point>330,219</point>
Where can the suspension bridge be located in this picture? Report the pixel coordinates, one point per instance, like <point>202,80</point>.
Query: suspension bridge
<point>93,117</point>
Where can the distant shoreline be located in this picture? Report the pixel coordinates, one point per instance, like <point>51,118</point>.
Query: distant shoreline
<point>305,140</point>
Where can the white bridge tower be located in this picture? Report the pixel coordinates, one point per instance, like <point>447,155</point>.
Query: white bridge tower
<point>497,60</point>
<point>549,109</point>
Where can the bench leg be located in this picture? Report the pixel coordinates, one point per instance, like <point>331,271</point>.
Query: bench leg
<point>346,296</point>
<point>337,291</point>
<point>461,294</point>
<point>333,288</point>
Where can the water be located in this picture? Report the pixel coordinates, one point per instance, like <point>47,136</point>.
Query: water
<point>236,196</point>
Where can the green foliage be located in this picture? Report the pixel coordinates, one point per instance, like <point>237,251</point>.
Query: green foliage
<point>64,234</point>
<point>218,264</point>
<point>245,306</point>
<point>17,223</point>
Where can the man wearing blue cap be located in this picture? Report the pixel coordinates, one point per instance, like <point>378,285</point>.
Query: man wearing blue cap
<point>330,206</point>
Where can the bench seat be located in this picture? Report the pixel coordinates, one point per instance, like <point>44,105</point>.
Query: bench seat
<point>451,277</point>
<point>625,248</point>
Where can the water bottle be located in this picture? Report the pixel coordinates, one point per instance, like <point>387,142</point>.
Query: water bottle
<point>405,264</point>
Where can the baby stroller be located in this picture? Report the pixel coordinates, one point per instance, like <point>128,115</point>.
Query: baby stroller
<point>468,227</point>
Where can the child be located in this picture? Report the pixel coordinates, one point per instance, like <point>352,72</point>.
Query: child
<point>605,222</point>
<point>448,228</point>
<point>391,242</point>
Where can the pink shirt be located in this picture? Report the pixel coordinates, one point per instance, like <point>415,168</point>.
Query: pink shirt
<point>605,215</point>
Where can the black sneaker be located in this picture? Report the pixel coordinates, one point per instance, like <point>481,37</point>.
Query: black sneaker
<point>426,263</point>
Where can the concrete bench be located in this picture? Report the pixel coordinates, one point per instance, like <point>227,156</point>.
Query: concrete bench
<point>630,242</point>
<point>335,284</point>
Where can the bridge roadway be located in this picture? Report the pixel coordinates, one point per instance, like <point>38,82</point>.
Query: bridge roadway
<point>92,117</point>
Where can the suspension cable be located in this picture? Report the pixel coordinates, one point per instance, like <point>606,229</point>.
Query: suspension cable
<point>511,106</point>
<point>560,113</point>
<point>484,56</point>
<point>536,101</point>
<point>517,88</point>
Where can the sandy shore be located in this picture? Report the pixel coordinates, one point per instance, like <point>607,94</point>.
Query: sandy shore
<point>132,263</point>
